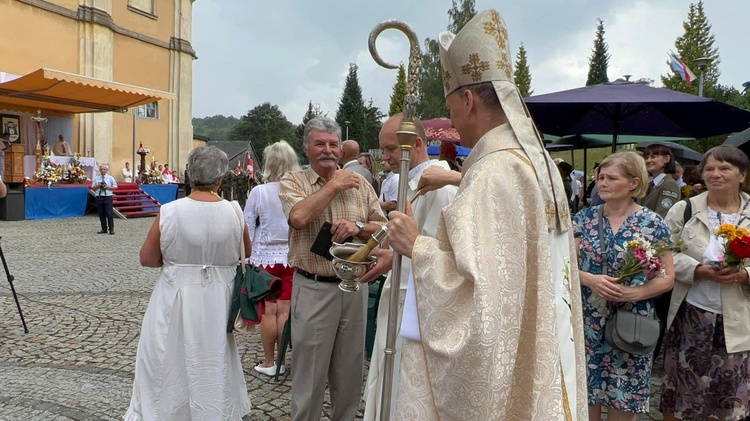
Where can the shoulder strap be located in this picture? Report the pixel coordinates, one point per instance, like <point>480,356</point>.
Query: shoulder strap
<point>688,212</point>
<point>236,207</point>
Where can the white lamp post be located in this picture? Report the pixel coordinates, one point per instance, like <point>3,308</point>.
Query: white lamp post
<point>347,129</point>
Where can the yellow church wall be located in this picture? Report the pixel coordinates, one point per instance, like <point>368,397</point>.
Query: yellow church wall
<point>36,38</point>
<point>159,25</point>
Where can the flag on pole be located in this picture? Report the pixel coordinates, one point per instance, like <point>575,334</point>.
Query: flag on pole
<point>249,167</point>
<point>681,68</point>
<point>239,167</point>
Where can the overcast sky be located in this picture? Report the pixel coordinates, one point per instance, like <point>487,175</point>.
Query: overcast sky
<point>289,52</point>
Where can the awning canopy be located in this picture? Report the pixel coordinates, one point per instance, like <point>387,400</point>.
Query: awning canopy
<point>70,93</point>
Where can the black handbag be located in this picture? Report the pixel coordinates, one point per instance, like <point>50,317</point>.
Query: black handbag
<point>626,330</point>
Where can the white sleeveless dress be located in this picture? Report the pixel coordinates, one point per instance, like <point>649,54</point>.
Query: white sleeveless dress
<point>187,366</point>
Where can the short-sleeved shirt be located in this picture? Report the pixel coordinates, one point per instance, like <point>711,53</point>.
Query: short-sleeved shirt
<point>354,205</point>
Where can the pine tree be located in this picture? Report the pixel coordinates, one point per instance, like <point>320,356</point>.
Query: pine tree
<point>460,16</point>
<point>352,109</point>
<point>697,41</point>
<point>373,118</point>
<point>522,74</point>
<point>399,92</point>
<point>599,61</point>
<point>431,102</point>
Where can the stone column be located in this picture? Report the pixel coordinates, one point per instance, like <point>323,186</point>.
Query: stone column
<point>181,84</point>
<point>96,60</point>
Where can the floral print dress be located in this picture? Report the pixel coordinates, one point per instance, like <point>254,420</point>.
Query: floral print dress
<point>617,379</point>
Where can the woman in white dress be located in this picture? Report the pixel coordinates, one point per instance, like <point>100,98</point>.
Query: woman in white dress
<point>187,366</point>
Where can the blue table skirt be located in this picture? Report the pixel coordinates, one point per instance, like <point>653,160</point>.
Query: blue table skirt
<point>56,202</point>
<point>163,193</point>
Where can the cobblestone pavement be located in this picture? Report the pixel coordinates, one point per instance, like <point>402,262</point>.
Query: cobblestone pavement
<point>84,296</point>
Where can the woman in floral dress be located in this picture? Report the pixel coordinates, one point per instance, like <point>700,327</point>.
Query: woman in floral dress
<point>618,380</point>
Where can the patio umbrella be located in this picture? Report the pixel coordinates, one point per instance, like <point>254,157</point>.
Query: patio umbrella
<point>627,108</point>
<point>440,129</point>
<point>682,153</point>
<point>740,140</point>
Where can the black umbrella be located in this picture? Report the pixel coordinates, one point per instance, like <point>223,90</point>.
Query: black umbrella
<point>739,140</point>
<point>628,108</point>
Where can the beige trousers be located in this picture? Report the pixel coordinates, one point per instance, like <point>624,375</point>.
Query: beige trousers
<point>328,342</point>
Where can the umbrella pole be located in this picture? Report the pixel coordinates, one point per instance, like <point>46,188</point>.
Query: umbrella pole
<point>585,174</point>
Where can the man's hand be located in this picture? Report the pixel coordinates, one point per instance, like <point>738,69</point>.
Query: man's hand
<point>381,267</point>
<point>402,231</point>
<point>343,229</point>
<point>435,177</point>
<point>343,180</point>
<point>388,206</point>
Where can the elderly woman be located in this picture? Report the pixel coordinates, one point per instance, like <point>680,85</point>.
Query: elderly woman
<point>368,162</point>
<point>187,366</point>
<point>616,379</point>
<point>663,191</point>
<point>707,346</point>
<point>269,232</point>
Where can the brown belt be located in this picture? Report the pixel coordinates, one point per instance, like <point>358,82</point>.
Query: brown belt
<point>318,278</point>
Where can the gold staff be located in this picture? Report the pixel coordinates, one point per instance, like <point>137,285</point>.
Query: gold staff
<point>407,135</point>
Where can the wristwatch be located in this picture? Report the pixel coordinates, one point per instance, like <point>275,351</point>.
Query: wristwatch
<point>361,227</point>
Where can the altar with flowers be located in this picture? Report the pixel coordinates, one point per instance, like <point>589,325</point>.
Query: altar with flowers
<point>88,165</point>
<point>57,190</point>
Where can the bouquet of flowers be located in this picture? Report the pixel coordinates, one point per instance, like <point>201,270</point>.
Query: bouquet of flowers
<point>47,173</point>
<point>642,256</point>
<point>154,177</point>
<point>76,174</point>
<point>736,244</point>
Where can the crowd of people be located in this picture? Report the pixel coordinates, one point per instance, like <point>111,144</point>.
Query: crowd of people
<point>509,288</point>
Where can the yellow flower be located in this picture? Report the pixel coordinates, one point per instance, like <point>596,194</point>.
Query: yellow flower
<point>727,231</point>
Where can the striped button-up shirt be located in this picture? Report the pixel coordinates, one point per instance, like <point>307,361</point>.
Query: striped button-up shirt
<point>352,205</point>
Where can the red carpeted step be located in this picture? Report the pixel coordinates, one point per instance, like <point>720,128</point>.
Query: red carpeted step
<point>131,201</point>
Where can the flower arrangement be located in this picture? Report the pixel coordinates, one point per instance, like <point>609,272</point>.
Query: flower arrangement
<point>142,151</point>
<point>47,173</point>
<point>687,191</point>
<point>76,174</point>
<point>736,244</point>
<point>154,177</point>
<point>642,256</point>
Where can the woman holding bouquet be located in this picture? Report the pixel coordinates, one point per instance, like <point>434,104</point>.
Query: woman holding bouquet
<point>616,379</point>
<point>707,346</point>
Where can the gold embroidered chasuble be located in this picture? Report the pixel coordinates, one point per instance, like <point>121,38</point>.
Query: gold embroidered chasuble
<point>498,302</point>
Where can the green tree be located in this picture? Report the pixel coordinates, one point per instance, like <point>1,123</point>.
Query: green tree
<point>431,101</point>
<point>374,120</point>
<point>696,42</point>
<point>522,74</point>
<point>264,125</point>
<point>312,112</point>
<point>216,127</point>
<point>352,109</point>
<point>399,92</point>
<point>460,14</point>
<point>599,60</point>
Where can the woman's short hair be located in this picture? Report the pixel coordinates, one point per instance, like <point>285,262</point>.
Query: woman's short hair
<point>323,124</point>
<point>726,153</point>
<point>207,165</point>
<point>280,158</point>
<point>663,150</point>
<point>632,165</point>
